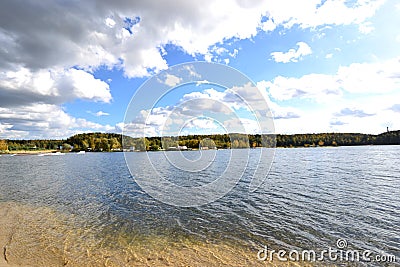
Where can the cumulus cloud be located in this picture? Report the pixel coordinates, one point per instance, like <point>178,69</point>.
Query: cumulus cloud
<point>172,80</point>
<point>202,123</point>
<point>50,49</point>
<point>353,112</point>
<point>99,113</point>
<point>376,78</point>
<point>320,87</point>
<point>313,13</point>
<point>210,100</point>
<point>287,115</point>
<point>268,25</point>
<point>43,121</point>
<point>84,86</point>
<point>365,123</point>
<point>292,55</point>
<point>242,125</point>
<point>130,34</point>
<point>236,109</point>
<point>23,87</point>
<point>381,77</point>
<point>337,122</point>
<point>360,97</point>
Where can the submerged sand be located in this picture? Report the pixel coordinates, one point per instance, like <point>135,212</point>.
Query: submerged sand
<point>40,236</point>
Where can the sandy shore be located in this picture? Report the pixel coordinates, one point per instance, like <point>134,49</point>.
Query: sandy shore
<point>38,236</point>
<point>29,152</point>
<point>26,237</point>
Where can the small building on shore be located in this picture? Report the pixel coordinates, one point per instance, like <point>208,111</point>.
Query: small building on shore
<point>177,148</point>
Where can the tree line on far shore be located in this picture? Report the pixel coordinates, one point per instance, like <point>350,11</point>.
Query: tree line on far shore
<point>116,142</point>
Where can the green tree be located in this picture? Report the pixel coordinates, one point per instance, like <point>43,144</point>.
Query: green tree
<point>76,147</point>
<point>85,145</point>
<point>104,145</point>
<point>141,144</point>
<point>92,143</point>
<point>66,147</point>
<point>154,147</point>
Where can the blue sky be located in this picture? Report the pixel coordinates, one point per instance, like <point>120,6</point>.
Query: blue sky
<point>322,66</point>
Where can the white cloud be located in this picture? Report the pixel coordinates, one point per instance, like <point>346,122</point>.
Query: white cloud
<point>110,22</point>
<point>374,124</point>
<point>324,119</point>
<point>311,13</point>
<point>220,54</point>
<point>332,111</point>
<point>99,113</point>
<point>99,34</point>
<point>292,55</point>
<point>284,113</point>
<point>242,125</point>
<point>202,123</point>
<point>320,87</point>
<point>172,80</point>
<point>191,71</point>
<point>353,113</point>
<point>85,86</point>
<point>238,109</point>
<point>209,100</point>
<point>43,121</point>
<point>246,97</point>
<point>23,87</point>
<point>268,26</point>
<point>234,53</point>
<point>329,55</point>
<point>366,27</point>
<point>377,78</point>
<point>381,77</point>
<point>4,129</point>
<point>365,99</point>
<point>50,61</point>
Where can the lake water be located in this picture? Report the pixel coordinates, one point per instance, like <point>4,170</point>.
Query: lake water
<point>87,209</point>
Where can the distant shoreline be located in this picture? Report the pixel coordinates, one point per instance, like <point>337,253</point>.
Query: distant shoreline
<point>112,142</point>
<point>38,152</point>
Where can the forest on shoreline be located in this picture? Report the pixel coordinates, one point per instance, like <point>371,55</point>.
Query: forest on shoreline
<point>106,142</point>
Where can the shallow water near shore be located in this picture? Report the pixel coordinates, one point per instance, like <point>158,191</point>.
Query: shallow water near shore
<point>87,210</point>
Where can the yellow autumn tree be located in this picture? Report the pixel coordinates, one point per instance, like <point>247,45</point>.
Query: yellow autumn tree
<point>3,145</point>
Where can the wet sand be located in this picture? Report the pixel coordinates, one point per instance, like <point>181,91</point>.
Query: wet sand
<point>40,236</point>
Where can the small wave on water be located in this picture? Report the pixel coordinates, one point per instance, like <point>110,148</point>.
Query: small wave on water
<point>87,210</point>
<point>40,236</point>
